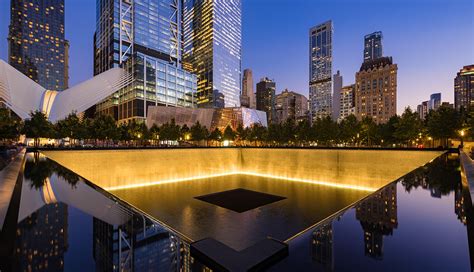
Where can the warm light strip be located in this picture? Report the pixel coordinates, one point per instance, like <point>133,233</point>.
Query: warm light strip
<point>324,183</point>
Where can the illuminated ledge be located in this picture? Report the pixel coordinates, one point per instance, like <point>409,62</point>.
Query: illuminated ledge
<point>317,182</point>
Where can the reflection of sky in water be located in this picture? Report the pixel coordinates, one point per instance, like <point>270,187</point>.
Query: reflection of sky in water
<point>428,231</point>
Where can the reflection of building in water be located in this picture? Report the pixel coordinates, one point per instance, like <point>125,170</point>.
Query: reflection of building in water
<point>378,217</point>
<point>42,239</point>
<point>459,207</point>
<point>134,246</point>
<point>322,246</point>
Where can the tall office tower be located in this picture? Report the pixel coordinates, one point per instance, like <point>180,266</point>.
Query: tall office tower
<point>373,46</point>
<point>266,98</point>
<point>320,70</point>
<point>322,246</point>
<point>143,37</point>
<point>247,98</point>
<point>464,88</point>
<point>212,48</point>
<point>376,90</point>
<point>423,109</point>
<point>435,101</point>
<point>37,44</point>
<point>378,216</point>
<point>346,102</point>
<point>336,95</point>
<point>290,105</point>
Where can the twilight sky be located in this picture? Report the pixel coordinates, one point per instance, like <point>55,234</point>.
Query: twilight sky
<point>430,40</point>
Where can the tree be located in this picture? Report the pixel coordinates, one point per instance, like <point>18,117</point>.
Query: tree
<point>258,133</point>
<point>229,134</point>
<point>216,135</point>
<point>184,132</point>
<point>105,128</point>
<point>69,127</point>
<point>303,132</point>
<point>37,126</point>
<point>154,133</point>
<point>198,132</point>
<point>326,131</point>
<point>288,131</point>
<point>408,127</point>
<point>348,129</point>
<point>368,131</point>
<point>387,131</point>
<point>9,126</point>
<point>443,124</point>
<point>170,131</point>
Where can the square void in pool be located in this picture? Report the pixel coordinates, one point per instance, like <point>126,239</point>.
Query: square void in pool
<point>240,200</point>
<point>261,207</point>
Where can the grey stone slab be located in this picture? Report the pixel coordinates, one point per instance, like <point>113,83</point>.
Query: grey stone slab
<point>8,178</point>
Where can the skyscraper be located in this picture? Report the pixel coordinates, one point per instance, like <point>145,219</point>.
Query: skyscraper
<point>212,48</point>
<point>423,109</point>
<point>266,98</point>
<point>376,90</point>
<point>247,98</point>
<point>435,101</point>
<point>37,44</point>
<point>346,101</point>
<point>336,97</point>
<point>373,46</point>
<point>144,37</point>
<point>464,88</point>
<point>320,70</point>
<point>290,105</point>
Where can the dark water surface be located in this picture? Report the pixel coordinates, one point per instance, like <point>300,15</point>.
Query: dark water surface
<point>421,222</point>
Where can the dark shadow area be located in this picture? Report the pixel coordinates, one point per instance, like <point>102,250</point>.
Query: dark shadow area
<point>240,200</point>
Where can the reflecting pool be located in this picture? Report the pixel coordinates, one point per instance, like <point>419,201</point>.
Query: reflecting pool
<point>176,205</point>
<point>422,220</point>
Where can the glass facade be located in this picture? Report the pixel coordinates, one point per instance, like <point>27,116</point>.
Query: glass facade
<point>37,44</point>
<point>155,83</point>
<point>464,89</point>
<point>320,70</point>
<point>144,36</point>
<point>266,98</point>
<point>373,46</point>
<point>212,49</point>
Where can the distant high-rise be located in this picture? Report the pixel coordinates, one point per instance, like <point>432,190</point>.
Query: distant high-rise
<point>212,31</point>
<point>346,101</point>
<point>37,44</point>
<point>266,98</point>
<point>336,95</point>
<point>290,105</point>
<point>423,109</point>
<point>247,98</point>
<point>320,70</point>
<point>378,216</point>
<point>435,101</point>
<point>143,37</point>
<point>376,90</point>
<point>464,88</point>
<point>373,46</point>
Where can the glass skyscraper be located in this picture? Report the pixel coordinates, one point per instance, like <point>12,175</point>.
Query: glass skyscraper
<point>144,37</point>
<point>373,46</point>
<point>320,70</point>
<point>464,89</point>
<point>212,49</point>
<point>37,44</point>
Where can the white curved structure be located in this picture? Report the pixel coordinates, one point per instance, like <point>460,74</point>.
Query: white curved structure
<point>23,96</point>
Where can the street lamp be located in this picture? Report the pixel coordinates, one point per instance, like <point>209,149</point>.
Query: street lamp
<point>461,132</point>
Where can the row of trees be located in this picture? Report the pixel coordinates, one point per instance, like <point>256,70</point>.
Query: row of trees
<point>405,130</point>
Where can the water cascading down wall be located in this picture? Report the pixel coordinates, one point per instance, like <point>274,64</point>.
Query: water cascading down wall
<point>358,169</point>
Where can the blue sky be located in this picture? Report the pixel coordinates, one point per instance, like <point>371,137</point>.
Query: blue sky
<point>430,40</point>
